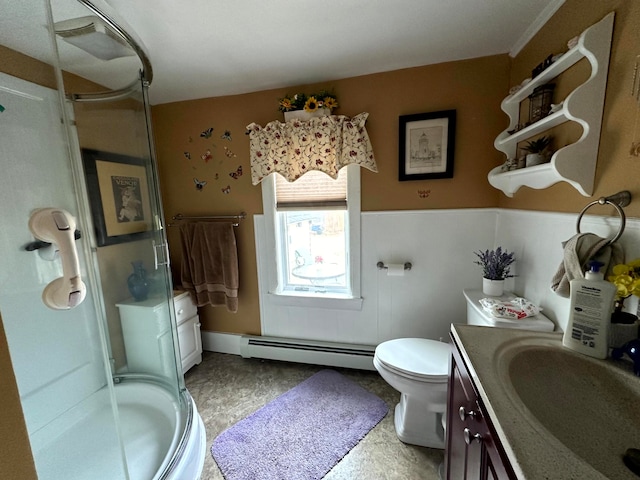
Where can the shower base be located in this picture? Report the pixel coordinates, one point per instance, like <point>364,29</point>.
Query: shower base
<point>83,442</point>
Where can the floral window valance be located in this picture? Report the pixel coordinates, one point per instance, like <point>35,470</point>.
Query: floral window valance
<point>322,143</point>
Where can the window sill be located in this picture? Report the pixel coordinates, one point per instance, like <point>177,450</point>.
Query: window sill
<point>303,299</point>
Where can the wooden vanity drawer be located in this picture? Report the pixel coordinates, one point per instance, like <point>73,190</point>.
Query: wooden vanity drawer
<point>185,308</point>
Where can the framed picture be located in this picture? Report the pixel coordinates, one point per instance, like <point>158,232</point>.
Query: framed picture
<point>427,142</point>
<point>119,196</point>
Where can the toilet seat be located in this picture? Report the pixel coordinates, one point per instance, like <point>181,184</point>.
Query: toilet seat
<point>418,359</point>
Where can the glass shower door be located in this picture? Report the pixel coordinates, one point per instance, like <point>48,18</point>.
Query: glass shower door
<point>70,363</point>
<point>58,356</point>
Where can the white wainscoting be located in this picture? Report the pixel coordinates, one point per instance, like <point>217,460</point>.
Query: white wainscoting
<point>440,245</point>
<point>536,238</point>
<point>422,303</point>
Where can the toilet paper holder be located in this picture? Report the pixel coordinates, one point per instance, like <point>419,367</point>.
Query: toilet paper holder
<point>382,266</point>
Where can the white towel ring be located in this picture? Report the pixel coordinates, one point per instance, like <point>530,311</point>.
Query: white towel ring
<point>617,201</point>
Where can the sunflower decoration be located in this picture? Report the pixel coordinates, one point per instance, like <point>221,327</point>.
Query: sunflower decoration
<point>309,103</point>
<point>286,104</point>
<point>329,102</point>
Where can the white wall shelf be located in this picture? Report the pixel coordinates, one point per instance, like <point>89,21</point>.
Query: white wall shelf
<point>574,163</point>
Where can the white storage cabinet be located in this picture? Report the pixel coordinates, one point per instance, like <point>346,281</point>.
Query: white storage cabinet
<point>147,334</point>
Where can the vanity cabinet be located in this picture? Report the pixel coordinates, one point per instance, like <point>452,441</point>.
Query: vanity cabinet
<point>473,450</point>
<point>574,163</point>
<point>147,334</point>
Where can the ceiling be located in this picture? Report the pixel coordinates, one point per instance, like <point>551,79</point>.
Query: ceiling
<point>208,48</point>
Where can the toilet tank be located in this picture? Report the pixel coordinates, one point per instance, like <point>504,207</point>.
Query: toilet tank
<point>477,316</point>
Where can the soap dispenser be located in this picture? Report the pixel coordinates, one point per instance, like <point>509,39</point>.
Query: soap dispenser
<point>591,305</point>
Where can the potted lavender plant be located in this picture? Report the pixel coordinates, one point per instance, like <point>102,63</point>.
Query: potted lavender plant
<point>496,267</point>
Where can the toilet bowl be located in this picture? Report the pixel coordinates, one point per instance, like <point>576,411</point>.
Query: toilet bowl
<point>418,368</point>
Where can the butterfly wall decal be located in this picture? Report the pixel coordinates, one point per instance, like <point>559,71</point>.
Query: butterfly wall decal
<point>207,133</point>
<point>227,189</point>
<point>229,153</point>
<point>226,135</point>
<point>187,155</point>
<point>424,193</point>
<point>237,174</point>
<point>199,184</point>
<point>206,156</point>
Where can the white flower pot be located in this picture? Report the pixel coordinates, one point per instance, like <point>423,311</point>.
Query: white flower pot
<point>535,159</point>
<point>304,115</point>
<point>492,288</point>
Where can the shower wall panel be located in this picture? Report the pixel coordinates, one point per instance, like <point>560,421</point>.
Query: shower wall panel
<point>55,354</point>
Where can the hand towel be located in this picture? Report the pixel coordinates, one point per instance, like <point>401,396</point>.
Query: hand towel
<point>579,250</point>
<point>210,264</point>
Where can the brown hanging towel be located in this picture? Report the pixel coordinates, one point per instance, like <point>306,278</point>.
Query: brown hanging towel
<point>210,263</point>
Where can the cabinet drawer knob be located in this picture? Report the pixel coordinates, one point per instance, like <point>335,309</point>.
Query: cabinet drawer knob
<point>470,438</point>
<point>462,412</point>
<point>181,311</point>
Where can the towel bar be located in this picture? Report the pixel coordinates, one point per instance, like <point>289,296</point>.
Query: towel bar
<point>237,218</point>
<point>617,201</point>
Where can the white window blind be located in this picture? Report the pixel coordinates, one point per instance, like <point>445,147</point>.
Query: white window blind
<point>314,190</point>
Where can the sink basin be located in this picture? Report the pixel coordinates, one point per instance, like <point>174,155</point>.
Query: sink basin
<point>591,407</point>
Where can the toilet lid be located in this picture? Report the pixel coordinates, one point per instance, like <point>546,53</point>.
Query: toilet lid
<point>420,357</point>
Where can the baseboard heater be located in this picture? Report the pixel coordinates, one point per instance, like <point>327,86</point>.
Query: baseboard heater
<point>308,351</point>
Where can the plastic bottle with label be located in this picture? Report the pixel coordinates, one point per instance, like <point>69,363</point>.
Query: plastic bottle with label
<point>589,323</point>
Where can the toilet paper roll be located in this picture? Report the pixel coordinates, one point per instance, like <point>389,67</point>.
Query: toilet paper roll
<point>395,270</point>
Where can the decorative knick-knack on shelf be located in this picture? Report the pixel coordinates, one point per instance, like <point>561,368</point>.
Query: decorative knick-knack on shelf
<point>537,150</point>
<point>137,282</point>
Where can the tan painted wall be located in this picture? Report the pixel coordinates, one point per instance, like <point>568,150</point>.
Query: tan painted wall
<point>616,169</point>
<point>473,87</point>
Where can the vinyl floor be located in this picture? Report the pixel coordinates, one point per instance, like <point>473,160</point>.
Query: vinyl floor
<point>227,388</point>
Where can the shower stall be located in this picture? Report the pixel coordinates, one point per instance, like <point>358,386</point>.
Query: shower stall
<point>76,138</point>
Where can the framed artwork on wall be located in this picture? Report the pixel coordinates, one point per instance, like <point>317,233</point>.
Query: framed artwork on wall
<point>427,142</point>
<point>119,196</point>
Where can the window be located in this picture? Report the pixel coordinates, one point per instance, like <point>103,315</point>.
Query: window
<point>315,224</point>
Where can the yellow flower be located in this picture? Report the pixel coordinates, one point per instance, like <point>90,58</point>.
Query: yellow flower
<point>311,105</point>
<point>286,104</point>
<point>626,278</point>
<point>620,269</point>
<point>330,103</point>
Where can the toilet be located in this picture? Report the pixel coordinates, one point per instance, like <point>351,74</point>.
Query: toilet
<point>418,368</point>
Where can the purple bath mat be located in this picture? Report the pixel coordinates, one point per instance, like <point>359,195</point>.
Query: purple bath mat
<point>301,434</point>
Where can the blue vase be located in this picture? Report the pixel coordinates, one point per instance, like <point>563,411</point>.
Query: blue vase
<point>137,282</point>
